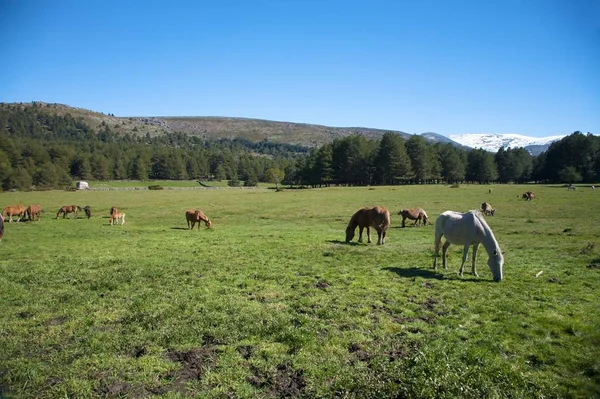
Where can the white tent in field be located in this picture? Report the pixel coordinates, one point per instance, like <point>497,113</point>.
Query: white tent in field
<point>82,185</point>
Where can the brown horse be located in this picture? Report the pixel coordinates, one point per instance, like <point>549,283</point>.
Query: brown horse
<point>194,216</point>
<point>65,210</point>
<point>377,217</point>
<point>14,210</point>
<point>116,217</point>
<point>528,195</point>
<point>416,214</point>
<point>487,209</point>
<point>34,211</point>
<point>88,211</point>
<point>113,210</point>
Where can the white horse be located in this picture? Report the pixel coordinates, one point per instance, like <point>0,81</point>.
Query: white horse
<point>571,187</point>
<point>467,229</point>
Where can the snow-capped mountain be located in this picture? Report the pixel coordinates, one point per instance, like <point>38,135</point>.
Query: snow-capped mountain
<point>493,141</point>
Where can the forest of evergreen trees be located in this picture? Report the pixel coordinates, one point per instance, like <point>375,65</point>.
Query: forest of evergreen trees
<point>42,150</point>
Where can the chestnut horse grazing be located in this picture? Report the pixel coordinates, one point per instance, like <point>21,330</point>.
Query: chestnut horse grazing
<point>14,210</point>
<point>116,217</point>
<point>377,217</point>
<point>416,214</point>
<point>34,211</point>
<point>65,210</point>
<point>487,209</point>
<point>467,229</point>
<point>194,216</point>
<point>113,209</point>
<point>528,195</point>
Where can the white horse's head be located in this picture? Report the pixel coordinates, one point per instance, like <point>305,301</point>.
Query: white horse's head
<point>495,262</point>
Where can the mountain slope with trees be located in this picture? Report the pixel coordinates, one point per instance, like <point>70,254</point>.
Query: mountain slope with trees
<point>41,149</point>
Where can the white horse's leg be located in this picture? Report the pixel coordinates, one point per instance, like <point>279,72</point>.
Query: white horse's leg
<point>464,258</point>
<point>444,251</point>
<point>123,219</point>
<point>436,252</point>
<point>473,269</point>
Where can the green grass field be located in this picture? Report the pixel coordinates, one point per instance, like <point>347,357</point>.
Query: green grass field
<point>272,303</point>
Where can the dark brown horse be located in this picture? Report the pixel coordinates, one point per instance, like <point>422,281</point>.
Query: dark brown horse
<point>528,195</point>
<point>416,214</point>
<point>377,217</point>
<point>14,210</point>
<point>67,209</point>
<point>88,211</point>
<point>194,216</point>
<point>34,211</point>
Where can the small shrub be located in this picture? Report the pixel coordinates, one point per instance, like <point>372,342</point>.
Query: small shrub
<point>455,185</point>
<point>155,187</point>
<point>233,183</point>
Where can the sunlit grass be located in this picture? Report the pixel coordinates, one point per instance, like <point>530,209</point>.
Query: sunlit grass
<point>271,302</point>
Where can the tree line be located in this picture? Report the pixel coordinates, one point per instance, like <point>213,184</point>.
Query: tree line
<point>46,150</point>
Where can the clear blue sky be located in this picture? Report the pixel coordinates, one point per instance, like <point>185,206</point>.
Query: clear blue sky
<point>529,67</point>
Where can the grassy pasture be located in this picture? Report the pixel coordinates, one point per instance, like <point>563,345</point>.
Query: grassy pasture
<point>272,303</point>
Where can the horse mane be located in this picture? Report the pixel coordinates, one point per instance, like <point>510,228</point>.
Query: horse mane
<point>487,229</point>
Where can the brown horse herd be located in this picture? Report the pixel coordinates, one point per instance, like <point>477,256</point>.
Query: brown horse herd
<point>377,217</point>
<point>34,213</point>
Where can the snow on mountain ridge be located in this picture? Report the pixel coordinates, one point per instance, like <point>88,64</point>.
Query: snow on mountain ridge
<point>494,141</point>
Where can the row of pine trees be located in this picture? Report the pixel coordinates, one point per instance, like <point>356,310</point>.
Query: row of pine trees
<point>43,150</point>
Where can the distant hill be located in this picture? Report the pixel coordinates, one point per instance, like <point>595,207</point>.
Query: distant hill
<point>254,130</point>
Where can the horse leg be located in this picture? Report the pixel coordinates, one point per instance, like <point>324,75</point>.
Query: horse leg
<point>403,221</point>
<point>444,251</point>
<point>464,258</point>
<point>360,231</point>
<point>473,269</point>
<point>379,237</point>
<point>368,235</point>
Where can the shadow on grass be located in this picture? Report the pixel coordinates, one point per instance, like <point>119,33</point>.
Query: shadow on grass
<point>425,273</point>
<point>179,228</point>
<point>343,242</point>
<point>414,272</point>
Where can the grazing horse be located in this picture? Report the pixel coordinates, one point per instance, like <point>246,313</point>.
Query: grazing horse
<point>467,229</point>
<point>14,210</point>
<point>528,195</point>
<point>1,227</point>
<point>377,217</point>
<point>34,211</point>
<point>416,214</point>
<point>487,209</point>
<point>65,210</point>
<point>113,210</point>
<point>572,187</point>
<point>194,216</point>
<point>88,211</point>
<point>116,217</point>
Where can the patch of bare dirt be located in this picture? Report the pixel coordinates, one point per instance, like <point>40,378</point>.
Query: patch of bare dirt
<point>285,383</point>
<point>194,362</point>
